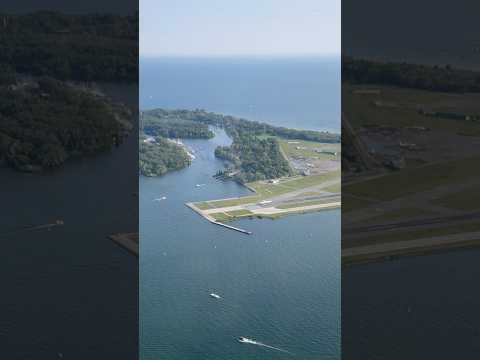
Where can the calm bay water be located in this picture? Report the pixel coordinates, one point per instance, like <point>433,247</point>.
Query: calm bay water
<point>280,286</point>
<point>417,307</point>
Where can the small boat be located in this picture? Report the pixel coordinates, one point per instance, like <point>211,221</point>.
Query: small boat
<point>243,339</point>
<point>199,185</point>
<point>160,198</point>
<point>215,296</point>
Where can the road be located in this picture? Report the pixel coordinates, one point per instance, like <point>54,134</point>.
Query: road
<point>414,223</point>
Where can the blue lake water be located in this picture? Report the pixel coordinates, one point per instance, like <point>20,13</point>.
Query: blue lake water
<point>279,286</point>
<point>299,93</point>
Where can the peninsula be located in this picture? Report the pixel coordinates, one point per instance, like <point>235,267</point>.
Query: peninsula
<point>158,155</point>
<point>160,147</point>
<point>288,170</point>
<point>50,108</point>
<point>44,122</point>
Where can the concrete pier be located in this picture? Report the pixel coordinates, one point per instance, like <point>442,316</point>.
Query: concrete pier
<point>232,227</point>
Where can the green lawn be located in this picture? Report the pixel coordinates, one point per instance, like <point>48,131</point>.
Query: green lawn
<point>350,203</point>
<point>334,188</point>
<point>416,234</point>
<point>412,180</point>
<point>266,190</point>
<point>401,213</point>
<point>203,205</point>
<point>310,193</point>
<point>361,111</point>
<point>306,149</point>
<point>467,200</point>
<point>230,202</point>
<point>240,213</point>
<point>221,217</point>
<point>231,215</point>
<point>303,203</point>
<point>291,184</point>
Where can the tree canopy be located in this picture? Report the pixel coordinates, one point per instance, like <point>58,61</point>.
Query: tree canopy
<point>158,156</point>
<point>44,122</point>
<point>232,125</point>
<point>73,47</point>
<point>252,156</point>
<point>254,159</point>
<point>171,125</point>
<point>425,77</point>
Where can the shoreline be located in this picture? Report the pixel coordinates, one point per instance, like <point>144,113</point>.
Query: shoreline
<point>182,145</point>
<point>128,241</point>
<point>213,221</point>
<point>260,205</point>
<point>248,117</point>
<point>382,252</point>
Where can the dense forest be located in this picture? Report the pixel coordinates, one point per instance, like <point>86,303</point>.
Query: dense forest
<point>159,156</point>
<point>46,118</point>
<point>166,124</point>
<point>425,77</point>
<point>250,156</point>
<point>253,159</point>
<point>44,122</point>
<point>73,47</point>
<point>236,126</point>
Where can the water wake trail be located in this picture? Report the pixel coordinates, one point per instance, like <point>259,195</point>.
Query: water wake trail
<point>258,343</point>
<point>34,227</point>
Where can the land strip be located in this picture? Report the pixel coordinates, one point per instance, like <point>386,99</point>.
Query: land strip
<point>422,246</point>
<point>275,199</point>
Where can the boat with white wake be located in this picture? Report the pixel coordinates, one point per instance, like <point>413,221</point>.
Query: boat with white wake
<point>215,296</point>
<point>243,339</point>
<point>246,340</point>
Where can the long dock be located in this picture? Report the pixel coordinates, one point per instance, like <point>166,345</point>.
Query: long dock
<point>232,227</point>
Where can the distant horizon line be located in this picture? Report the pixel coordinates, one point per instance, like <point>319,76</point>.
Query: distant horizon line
<point>245,56</point>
